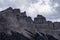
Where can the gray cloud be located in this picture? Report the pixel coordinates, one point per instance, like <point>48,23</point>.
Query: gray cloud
<point>55,16</point>
<point>34,7</point>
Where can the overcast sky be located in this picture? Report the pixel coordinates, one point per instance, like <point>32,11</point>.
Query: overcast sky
<point>48,8</point>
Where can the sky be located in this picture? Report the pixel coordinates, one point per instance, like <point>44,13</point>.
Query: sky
<point>48,8</point>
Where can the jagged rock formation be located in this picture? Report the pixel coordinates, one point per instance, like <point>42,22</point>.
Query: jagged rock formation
<point>13,19</point>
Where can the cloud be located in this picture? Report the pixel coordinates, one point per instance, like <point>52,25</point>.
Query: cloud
<point>48,8</point>
<point>44,7</point>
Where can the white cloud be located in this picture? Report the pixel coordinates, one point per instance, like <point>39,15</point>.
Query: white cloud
<point>54,20</point>
<point>33,7</point>
<point>56,5</point>
<point>42,7</point>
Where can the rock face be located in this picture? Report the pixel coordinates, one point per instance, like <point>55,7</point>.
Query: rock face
<point>13,19</point>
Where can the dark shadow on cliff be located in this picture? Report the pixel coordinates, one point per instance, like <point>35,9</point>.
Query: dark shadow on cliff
<point>19,36</point>
<point>40,36</point>
<point>14,36</point>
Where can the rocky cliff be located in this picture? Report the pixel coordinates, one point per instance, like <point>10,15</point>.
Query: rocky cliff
<point>15,20</point>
